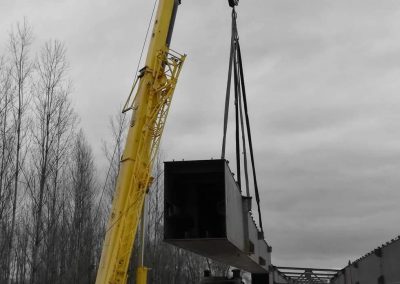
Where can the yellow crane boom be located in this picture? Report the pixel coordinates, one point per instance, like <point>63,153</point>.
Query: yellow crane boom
<point>156,84</point>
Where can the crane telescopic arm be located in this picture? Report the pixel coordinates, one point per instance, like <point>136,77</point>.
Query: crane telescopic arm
<point>155,87</point>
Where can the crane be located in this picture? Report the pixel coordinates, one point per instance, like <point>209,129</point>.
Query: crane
<point>155,86</point>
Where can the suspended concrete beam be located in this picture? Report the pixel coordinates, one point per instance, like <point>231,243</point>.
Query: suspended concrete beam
<point>204,212</point>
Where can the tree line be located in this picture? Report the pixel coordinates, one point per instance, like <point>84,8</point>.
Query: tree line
<point>53,203</point>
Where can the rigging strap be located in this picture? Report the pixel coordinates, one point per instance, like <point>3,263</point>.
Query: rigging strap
<point>228,90</point>
<point>240,104</point>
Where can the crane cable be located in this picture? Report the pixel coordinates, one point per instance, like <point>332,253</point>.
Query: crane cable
<point>235,61</point>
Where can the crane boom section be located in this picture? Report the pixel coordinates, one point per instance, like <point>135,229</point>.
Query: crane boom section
<point>156,85</point>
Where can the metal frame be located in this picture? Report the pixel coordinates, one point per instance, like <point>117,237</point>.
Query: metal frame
<point>300,275</point>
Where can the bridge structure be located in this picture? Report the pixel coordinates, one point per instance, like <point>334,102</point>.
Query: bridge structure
<point>297,275</point>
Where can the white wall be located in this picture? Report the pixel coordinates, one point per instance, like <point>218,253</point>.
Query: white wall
<point>384,261</point>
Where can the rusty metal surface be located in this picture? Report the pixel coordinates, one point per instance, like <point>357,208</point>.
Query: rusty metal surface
<point>204,212</point>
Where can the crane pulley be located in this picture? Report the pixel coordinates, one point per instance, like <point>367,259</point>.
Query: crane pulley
<point>233,3</point>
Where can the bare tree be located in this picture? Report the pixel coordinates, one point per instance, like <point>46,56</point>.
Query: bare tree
<point>5,102</point>
<point>64,129</point>
<point>6,162</point>
<point>49,229</point>
<point>21,68</point>
<point>53,118</point>
<point>82,236</point>
<point>52,210</point>
<point>113,149</point>
<point>22,246</point>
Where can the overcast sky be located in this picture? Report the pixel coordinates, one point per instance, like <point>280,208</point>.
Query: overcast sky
<point>323,88</point>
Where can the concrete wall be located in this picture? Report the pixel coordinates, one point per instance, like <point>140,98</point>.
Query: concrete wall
<point>381,266</point>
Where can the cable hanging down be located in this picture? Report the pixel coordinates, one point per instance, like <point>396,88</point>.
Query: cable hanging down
<point>242,122</point>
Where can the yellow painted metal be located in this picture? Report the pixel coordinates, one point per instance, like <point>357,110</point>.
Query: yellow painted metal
<point>150,109</point>
<point>141,274</point>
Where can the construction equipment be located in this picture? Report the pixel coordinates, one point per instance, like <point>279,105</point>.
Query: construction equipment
<point>155,87</point>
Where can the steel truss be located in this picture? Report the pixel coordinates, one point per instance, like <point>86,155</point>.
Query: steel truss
<point>299,275</point>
